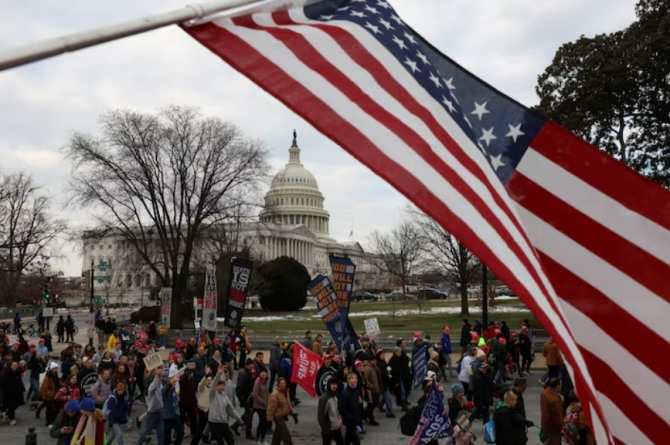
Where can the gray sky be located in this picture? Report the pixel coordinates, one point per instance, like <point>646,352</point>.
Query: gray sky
<point>506,43</point>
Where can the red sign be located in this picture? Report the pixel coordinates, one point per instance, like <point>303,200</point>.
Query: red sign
<point>305,366</point>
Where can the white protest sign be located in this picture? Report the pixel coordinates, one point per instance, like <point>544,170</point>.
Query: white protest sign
<point>372,327</point>
<point>153,361</point>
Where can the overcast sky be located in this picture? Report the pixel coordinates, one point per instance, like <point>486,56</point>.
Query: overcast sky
<point>507,43</point>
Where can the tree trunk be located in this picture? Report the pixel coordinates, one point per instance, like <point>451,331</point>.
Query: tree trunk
<point>465,312</point>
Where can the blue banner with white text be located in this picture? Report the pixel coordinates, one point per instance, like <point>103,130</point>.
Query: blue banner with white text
<point>434,422</point>
<point>343,280</point>
<point>419,366</point>
<point>328,307</point>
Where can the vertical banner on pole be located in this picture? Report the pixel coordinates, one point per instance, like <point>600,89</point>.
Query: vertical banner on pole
<point>240,276</point>
<point>166,305</point>
<point>209,301</point>
<point>343,279</point>
<point>327,306</point>
<point>419,366</point>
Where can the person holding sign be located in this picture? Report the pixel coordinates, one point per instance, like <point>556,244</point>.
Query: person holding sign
<point>154,401</point>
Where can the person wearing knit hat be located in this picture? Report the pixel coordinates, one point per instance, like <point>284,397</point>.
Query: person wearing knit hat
<point>118,404</point>
<point>90,429</point>
<point>457,388</point>
<point>66,422</point>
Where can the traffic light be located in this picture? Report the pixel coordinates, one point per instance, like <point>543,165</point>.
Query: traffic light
<point>47,290</point>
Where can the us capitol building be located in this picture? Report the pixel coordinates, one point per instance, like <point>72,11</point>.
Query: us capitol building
<point>293,223</point>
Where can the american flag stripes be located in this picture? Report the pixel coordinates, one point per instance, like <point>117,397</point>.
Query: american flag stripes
<point>582,239</point>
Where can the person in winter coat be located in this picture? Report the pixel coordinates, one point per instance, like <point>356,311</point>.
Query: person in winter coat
<point>553,357</point>
<point>369,373</point>
<point>37,366</point>
<point>154,401</point>
<point>119,412</point>
<point>60,329</point>
<point>102,388</point>
<point>170,414</point>
<point>279,408</point>
<point>445,341</point>
<point>482,383</point>
<point>69,391</point>
<point>260,397</point>
<point>384,384</point>
<point>551,411</point>
<point>12,390</point>
<point>221,410</point>
<point>188,405</point>
<point>243,391</point>
<point>350,406</point>
<point>275,356</point>
<point>202,397</point>
<point>328,414</point>
<point>400,377</point>
<point>509,425</point>
<point>65,424</point>
<point>90,429</point>
<point>69,329</point>
<point>48,389</point>
<point>457,402</point>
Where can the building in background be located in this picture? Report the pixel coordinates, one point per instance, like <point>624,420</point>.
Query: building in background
<point>293,223</point>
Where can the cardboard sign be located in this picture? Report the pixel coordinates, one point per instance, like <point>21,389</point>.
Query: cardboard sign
<point>48,312</point>
<point>153,361</point>
<point>372,327</point>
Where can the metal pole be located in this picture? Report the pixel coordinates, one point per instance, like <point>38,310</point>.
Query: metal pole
<point>485,298</point>
<point>59,45</point>
<point>92,283</point>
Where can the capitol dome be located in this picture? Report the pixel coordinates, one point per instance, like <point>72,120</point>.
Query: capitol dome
<point>294,197</point>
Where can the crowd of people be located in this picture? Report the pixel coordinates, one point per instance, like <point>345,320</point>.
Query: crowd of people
<point>218,388</point>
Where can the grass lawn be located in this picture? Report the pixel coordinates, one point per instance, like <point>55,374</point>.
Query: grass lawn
<point>430,318</point>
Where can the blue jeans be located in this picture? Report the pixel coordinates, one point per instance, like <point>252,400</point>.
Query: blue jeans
<point>35,388</point>
<point>386,401</point>
<point>151,421</point>
<point>116,433</point>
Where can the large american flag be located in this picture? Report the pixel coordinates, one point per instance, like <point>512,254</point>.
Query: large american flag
<point>584,240</point>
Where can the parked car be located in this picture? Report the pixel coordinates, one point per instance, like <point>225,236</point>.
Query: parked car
<point>504,290</point>
<point>431,294</point>
<point>365,296</point>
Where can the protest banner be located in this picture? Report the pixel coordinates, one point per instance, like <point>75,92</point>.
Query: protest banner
<point>306,364</point>
<point>165,296</point>
<point>419,366</point>
<point>240,276</point>
<point>209,301</point>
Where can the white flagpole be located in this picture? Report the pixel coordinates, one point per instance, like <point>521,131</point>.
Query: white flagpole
<point>59,45</point>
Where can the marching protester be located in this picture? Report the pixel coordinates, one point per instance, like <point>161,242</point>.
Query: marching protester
<point>350,405</point>
<point>119,405</point>
<point>11,385</point>
<point>279,408</point>
<point>65,424</point>
<point>260,397</point>
<point>244,390</point>
<point>220,411</point>
<point>551,408</point>
<point>154,400</point>
<point>328,414</point>
<point>510,426</point>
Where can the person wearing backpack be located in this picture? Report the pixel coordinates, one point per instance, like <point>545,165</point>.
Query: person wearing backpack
<point>116,411</point>
<point>576,429</point>
<point>510,427</point>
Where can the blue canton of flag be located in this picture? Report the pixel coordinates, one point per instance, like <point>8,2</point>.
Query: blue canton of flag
<point>500,127</point>
<point>434,422</point>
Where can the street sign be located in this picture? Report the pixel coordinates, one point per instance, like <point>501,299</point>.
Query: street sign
<point>48,312</point>
<point>100,301</point>
<point>104,266</point>
<point>101,278</point>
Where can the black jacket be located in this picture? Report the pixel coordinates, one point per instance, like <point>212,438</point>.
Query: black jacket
<point>350,407</point>
<point>482,387</point>
<point>245,386</point>
<point>510,427</point>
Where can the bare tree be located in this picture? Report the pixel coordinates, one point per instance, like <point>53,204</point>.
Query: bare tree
<point>459,264</point>
<point>397,252</point>
<point>161,181</point>
<point>27,231</point>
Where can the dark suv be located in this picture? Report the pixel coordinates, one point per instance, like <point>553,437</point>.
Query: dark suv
<point>365,296</point>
